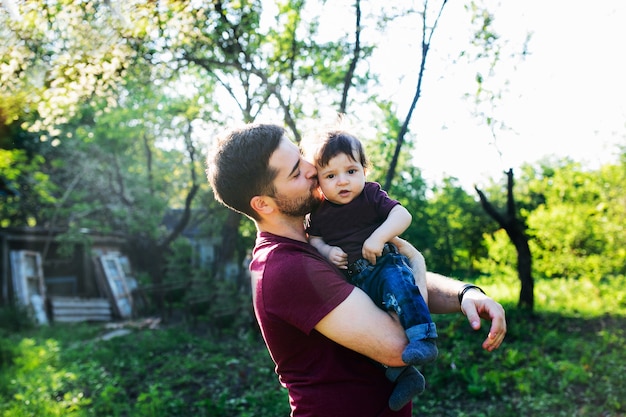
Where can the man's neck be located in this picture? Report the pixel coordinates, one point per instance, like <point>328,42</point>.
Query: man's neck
<point>289,227</point>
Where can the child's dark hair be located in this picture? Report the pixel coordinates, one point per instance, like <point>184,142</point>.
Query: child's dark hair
<point>337,142</point>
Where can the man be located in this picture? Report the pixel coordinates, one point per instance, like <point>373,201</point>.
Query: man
<point>326,337</point>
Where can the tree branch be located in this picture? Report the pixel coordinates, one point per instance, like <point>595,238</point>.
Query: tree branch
<point>347,80</point>
<point>510,201</point>
<point>191,193</point>
<point>426,41</point>
<point>490,209</point>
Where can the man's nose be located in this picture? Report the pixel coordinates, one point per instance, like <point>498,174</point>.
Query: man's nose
<point>309,169</point>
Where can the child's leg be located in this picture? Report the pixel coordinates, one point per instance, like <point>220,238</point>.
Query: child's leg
<point>409,383</point>
<point>403,296</point>
<point>390,284</point>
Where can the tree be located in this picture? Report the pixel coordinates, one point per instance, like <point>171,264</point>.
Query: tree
<point>427,35</point>
<point>74,71</point>
<point>577,230</point>
<point>349,77</point>
<point>57,55</point>
<point>457,226</point>
<point>260,67</point>
<point>26,191</point>
<point>126,179</point>
<point>515,230</point>
<point>46,71</point>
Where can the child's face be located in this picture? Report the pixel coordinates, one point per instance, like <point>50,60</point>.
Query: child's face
<point>342,180</point>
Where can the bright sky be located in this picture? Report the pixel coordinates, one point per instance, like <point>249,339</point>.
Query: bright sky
<point>568,98</point>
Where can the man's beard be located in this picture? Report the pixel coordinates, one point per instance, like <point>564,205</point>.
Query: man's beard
<point>299,207</point>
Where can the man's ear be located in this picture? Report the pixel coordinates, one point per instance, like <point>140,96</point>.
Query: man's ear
<point>261,204</point>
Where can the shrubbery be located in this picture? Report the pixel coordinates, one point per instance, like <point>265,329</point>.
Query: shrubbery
<point>566,359</point>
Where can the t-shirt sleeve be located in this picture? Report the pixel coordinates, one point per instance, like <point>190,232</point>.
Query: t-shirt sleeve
<point>379,199</point>
<point>305,289</point>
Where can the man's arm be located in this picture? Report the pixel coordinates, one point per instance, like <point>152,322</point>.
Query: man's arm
<point>358,324</point>
<point>443,297</point>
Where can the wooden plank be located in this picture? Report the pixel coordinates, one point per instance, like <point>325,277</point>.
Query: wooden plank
<point>79,319</point>
<point>81,311</point>
<point>112,276</point>
<point>80,302</point>
<point>67,309</point>
<point>28,282</point>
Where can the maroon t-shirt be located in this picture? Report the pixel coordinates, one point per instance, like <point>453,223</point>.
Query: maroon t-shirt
<point>294,287</point>
<point>349,225</point>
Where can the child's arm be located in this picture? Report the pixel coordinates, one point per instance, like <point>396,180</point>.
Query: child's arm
<point>397,222</point>
<point>333,253</point>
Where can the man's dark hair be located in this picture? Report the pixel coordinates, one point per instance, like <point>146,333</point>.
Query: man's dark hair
<point>238,165</point>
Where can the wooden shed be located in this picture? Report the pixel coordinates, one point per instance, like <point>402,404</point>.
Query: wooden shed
<point>87,278</point>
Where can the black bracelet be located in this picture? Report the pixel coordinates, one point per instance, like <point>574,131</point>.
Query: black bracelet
<point>465,289</point>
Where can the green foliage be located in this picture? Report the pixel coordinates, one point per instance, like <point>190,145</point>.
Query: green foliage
<point>560,361</point>
<point>15,318</point>
<point>502,258</point>
<point>120,109</point>
<point>583,296</point>
<point>104,119</point>
<point>579,230</point>
<point>32,191</point>
<point>57,55</point>
<point>380,149</point>
<point>7,350</point>
<point>38,383</point>
<point>179,261</point>
<point>575,221</point>
<point>411,191</point>
<point>168,372</point>
<point>457,223</point>
<point>563,360</point>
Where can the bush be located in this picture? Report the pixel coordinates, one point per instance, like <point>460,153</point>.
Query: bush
<point>15,318</point>
<point>563,360</point>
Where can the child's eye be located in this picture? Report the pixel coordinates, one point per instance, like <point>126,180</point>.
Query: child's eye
<point>351,171</point>
<point>330,176</point>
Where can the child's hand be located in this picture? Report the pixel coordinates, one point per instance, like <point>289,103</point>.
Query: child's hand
<point>372,249</point>
<point>338,257</point>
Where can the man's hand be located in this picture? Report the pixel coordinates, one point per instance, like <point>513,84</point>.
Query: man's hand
<point>477,305</point>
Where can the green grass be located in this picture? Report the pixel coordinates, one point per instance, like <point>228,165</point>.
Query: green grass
<point>566,359</point>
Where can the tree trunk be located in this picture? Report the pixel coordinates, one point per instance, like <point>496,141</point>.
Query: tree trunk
<point>230,232</point>
<point>524,265</point>
<point>147,255</point>
<point>515,230</point>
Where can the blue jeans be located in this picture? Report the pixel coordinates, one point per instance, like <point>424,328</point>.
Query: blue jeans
<point>390,284</point>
